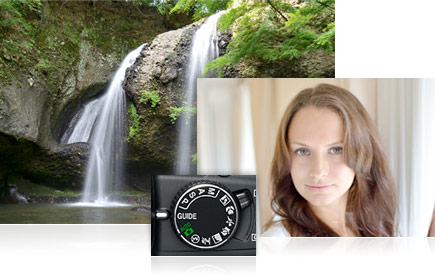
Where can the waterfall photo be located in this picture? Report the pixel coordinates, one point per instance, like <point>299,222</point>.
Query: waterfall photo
<point>98,96</point>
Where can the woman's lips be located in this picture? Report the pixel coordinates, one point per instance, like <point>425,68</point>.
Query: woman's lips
<point>319,188</point>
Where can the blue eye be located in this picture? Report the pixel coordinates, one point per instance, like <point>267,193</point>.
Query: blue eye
<point>302,152</point>
<point>336,150</point>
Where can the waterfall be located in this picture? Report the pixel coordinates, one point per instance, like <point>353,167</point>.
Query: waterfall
<point>105,165</point>
<point>204,49</point>
<point>81,125</point>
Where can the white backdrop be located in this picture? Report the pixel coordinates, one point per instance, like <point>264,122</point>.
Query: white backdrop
<point>406,120</point>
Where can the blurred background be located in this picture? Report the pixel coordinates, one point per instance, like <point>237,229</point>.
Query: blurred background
<point>238,121</point>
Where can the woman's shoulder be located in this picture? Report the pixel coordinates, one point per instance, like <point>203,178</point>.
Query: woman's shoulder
<point>277,229</point>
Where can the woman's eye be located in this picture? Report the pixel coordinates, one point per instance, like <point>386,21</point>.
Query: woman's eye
<point>302,152</point>
<point>336,150</point>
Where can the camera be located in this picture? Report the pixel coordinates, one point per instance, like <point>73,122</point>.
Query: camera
<point>203,215</point>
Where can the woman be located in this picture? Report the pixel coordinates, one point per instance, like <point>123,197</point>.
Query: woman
<point>330,175</point>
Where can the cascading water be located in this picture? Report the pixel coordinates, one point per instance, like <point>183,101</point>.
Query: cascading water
<point>81,125</point>
<point>204,49</point>
<point>105,165</point>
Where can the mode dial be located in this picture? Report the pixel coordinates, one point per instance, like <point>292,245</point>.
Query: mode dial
<point>205,214</point>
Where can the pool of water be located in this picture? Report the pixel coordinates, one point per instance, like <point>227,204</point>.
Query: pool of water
<point>71,214</point>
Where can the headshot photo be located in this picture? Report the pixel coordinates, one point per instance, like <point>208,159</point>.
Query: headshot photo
<point>333,157</point>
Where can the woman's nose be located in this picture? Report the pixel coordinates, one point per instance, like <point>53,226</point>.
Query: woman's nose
<point>319,167</point>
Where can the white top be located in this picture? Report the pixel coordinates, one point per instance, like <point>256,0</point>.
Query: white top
<point>276,229</point>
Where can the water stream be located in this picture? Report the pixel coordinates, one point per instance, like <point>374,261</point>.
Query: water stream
<point>105,169</point>
<point>204,49</point>
<point>80,128</point>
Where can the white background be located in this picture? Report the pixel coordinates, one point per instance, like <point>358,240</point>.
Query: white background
<point>124,250</point>
<point>385,38</point>
<point>374,38</point>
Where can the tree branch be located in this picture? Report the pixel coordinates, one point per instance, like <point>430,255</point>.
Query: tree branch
<point>283,16</point>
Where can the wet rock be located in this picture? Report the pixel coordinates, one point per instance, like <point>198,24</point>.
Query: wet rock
<point>43,165</point>
<point>10,195</point>
<point>24,105</point>
<point>137,200</point>
<point>30,81</point>
<point>224,38</point>
<point>54,199</point>
<point>168,75</point>
<point>142,209</point>
<point>157,72</point>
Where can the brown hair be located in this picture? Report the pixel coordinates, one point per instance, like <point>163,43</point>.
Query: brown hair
<point>371,198</point>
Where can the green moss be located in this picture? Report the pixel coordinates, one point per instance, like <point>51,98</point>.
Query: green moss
<point>23,141</point>
<point>30,189</point>
<point>16,30</point>
<point>185,109</point>
<point>134,132</point>
<point>151,96</point>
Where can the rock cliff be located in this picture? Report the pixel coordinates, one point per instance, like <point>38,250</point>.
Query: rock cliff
<point>160,70</point>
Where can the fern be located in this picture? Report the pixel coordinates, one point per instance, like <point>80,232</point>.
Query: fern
<point>151,96</point>
<point>260,35</point>
<point>326,39</point>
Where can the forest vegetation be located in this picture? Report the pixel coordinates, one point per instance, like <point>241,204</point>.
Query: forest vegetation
<point>265,31</point>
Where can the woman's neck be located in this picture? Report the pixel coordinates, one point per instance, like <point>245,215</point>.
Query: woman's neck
<point>334,215</point>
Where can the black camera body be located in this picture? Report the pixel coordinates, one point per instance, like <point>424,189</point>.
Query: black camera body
<point>203,215</point>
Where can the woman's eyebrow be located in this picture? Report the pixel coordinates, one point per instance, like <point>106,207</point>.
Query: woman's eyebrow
<point>305,145</point>
<point>334,143</point>
<point>299,143</point>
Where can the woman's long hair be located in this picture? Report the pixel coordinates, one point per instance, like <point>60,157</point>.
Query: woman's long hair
<point>371,198</point>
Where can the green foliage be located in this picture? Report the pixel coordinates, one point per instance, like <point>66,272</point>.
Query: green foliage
<point>197,8</point>
<point>164,6</point>
<point>151,96</point>
<point>200,8</point>
<point>326,40</point>
<point>185,110</point>
<point>134,132</point>
<point>227,20</point>
<point>15,32</point>
<point>263,34</point>
<point>50,42</point>
<point>13,16</point>
<point>218,64</point>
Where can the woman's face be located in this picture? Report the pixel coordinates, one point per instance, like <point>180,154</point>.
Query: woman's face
<point>317,166</point>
